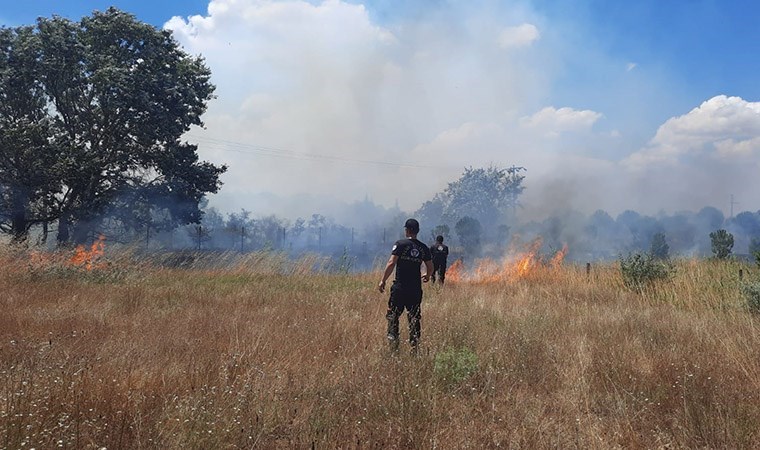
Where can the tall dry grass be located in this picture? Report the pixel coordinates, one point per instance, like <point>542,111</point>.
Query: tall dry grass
<point>268,356</point>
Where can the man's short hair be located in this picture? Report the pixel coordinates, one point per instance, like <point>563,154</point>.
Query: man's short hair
<point>412,225</point>
<point>439,238</point>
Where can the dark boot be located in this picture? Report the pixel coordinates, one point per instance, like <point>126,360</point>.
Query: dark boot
<point>415,316</point>
<point>392,317</point>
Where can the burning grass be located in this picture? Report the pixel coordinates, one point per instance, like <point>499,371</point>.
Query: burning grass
<point>269,355</point>
<point>519,263</point>
<point>100,264</point>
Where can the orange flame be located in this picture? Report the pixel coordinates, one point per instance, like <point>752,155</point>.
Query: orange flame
<point>455,271</point>
<point>558,257</point>
<point>515,266</point>
<point>89,258</point>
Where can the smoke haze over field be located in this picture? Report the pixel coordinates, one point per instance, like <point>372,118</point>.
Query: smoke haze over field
<point>340,100</point>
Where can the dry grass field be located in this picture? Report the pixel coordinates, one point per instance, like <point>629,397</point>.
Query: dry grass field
<point>264,353</point>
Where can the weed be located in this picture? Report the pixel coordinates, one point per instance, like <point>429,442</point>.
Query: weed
<point>751,291</point>
<point>640,270</point>
<point>454,365</point>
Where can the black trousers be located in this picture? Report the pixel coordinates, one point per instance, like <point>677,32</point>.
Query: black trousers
<point>440,269</point>
<point>404,299</point>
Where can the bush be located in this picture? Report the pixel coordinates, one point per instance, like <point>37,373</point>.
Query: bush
<point>640,270</point>
<point>751,293</point>
<point>722,243</point>
<point>754,249</point>
<point>454,365</point>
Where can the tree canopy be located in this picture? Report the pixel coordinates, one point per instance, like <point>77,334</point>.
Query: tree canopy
<point>489,195</point>
<point>722,243</point>
<point>105,101</point>
<point>25,128</point>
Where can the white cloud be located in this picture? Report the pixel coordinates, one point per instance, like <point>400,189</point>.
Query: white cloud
<point>733,149</point>
<point>551,121</point>
<point>519,36</point>
<point>307,90</point>
<point>716,118</point>
<point>630,66</point>
<point>323,85</point>
<point>700,158</point>
<point>465,134</point>
<point>462,144</point>
<point>721,126</point>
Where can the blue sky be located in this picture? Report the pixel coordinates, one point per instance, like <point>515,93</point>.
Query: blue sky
<point>614,104</point>
<point>155,12</point>
<point>707,46</point>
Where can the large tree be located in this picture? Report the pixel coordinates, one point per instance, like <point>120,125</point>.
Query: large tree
<point>486,194</point>
<point>27,160</point>
<point>118,96</point>
<point>489,195</point>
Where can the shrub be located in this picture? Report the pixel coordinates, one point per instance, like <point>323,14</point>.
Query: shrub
<point>754,249</point>
<point>454,365</point>
<point>751,293</point>
<point>640,270</point>
<point>722,243</point>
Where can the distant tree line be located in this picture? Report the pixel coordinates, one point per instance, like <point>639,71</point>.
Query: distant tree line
<point>599,236</point>
<point>478,214</point>
<point>366,231</point>
<point>91,118</point>
<point>487,227</point>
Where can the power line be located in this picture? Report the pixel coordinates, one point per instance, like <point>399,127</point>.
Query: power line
<point>223,145</point>
<point>252,149</point>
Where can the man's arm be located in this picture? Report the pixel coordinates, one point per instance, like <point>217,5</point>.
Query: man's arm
<point>428,271</point>
<point>388,271</point>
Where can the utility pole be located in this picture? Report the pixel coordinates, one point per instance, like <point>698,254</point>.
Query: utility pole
<point>199,228</point>
<point>320,238</point>
<point>147,235</point>
<point>242,239</point>
<point>732,206</point>
<point>352,236</point>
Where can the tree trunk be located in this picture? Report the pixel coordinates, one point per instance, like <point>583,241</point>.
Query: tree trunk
<point>45,232</point>
<point>64,222</point>
<point>19,225</point>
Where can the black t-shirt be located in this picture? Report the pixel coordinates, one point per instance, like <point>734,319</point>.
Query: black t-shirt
<point>439,252</point>
<point>411,254</point>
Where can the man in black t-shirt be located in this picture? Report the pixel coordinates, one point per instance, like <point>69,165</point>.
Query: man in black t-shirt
<point>406,292</point>
<point>440,253</point>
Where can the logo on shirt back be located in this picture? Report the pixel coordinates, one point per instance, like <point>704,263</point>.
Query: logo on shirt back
<point>440,248</point>
<point>415,253</point>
